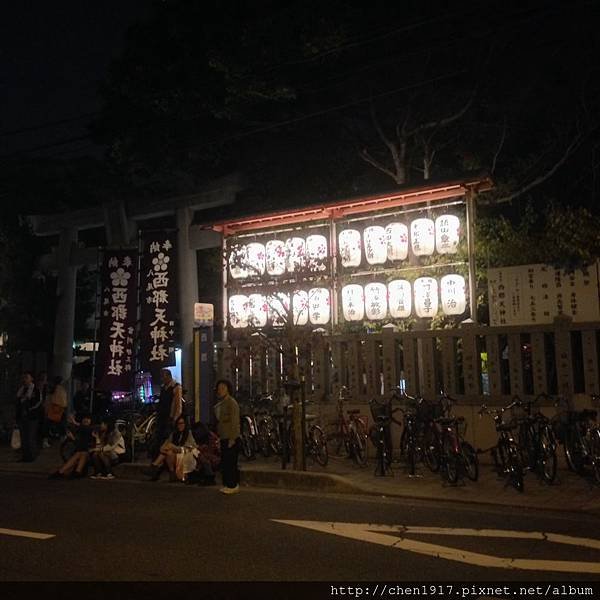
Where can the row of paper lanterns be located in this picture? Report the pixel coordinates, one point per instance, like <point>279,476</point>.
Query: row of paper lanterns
<point>380,244</point>
<point>257,310</point>
<point>375,301</point>
<point>277,256</point>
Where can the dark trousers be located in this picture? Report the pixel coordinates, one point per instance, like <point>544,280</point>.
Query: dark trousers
<point>29,442</point>
<point>229,464</point>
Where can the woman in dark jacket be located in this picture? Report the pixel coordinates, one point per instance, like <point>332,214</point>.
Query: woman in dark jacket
<point>28,413</point>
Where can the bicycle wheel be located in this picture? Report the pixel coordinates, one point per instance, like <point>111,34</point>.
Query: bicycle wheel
<point>574,451</point>
<point>431,451</point>
<point>246,438</point>
<point>470,461</point>
<point>318,442</point>
<point>595,452</point>
<point>411,452</point>
<point>515,468</point>
<point>274,439</point>
<point>359,448</point>
<point>263,438</point>
<point>450,461</point>
<point>547,455</point>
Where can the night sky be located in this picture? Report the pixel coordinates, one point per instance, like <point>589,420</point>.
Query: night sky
<point>53,56</point>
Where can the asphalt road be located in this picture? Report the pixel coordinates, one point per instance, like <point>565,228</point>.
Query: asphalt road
<point>138,531</point>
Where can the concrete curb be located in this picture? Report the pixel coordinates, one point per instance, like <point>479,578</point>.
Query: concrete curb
<point>327,483</point>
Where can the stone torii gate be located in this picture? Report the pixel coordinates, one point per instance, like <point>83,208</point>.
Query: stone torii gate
<point>121,221</point>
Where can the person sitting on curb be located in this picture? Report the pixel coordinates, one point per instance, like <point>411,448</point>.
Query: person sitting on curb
<point>109,447</point>
<point>209,456</point>
<point>84,442</point>
<point>178,453</point>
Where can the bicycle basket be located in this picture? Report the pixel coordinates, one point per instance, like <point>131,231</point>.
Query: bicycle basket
<point>380,409</point>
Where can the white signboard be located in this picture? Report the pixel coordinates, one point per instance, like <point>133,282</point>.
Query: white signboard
<point>204,314</point>
<point>536,294</point>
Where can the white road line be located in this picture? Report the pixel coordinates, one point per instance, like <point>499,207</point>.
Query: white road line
<point>380,534</point>
<point>26,534</point>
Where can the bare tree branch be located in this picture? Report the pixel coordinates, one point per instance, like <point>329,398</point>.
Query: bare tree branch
<point>500,146</point>
<point>570,150</point>
<point>446,120</point>
<point>364,154</point>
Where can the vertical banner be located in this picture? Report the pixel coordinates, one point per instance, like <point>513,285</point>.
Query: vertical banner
<point>117,320</point>
<point>158,300</point>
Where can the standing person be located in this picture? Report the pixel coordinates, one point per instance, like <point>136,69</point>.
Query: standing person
<point>28,409</point>
<point>81,400</point>
<point>227,411</point>
<point>55,406</point>
<point>169,407</point>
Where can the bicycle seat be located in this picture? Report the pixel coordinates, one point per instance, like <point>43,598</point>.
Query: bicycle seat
<point>308,417</point>
<point>355,411</point>
<point>449,420</point>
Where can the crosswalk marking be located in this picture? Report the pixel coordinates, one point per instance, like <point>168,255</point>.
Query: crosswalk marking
<point>26,534</point>
<point>393,537</point>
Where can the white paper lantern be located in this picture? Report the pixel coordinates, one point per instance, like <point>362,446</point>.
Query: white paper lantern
<point>375,245</point>
<point>375,301</point>
<point>397,241</point>
<point>279,308</point>
<point>300,307</point>
<point>422,237</point>
<point>238,311</point>
<point>452,291</point>
<point>353,302</point>
<point>426,297</point>
<point>350,248</point>
<point>316,251</point>
<point>296,254</point>
<point>447,234</point>
<point>276,257</point>
<point>255,259</point>
<point>237,262</point>
<point>399,298</point>
<point>257,310</point>
<point>319,306</point>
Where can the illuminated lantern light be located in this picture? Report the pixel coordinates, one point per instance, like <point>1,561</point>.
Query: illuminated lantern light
<point>319,306</point>
<point>353,302</point>
<point>237,262</point>
<point>375,245</point>
<point>426,297</point>
<point>375,301</point>
<point>350,248</point>
<point>238,311</point>
<point>300,307</point>
<point>452,291</point>
<point>279,308</point>
<point>257,310</point>
<point>255,259</point>
<point>399,299</point>
<point>316,250</point>
<point>275,257</point>
<point>397,241</point>
<point>422,237</point>
<point>295,249</point>
<point>447,234</point>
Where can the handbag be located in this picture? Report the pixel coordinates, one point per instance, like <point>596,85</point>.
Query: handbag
<point>15,439</point>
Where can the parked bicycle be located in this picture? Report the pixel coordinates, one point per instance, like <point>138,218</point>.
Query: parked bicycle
<point>580,435</point>
<point>315,440</point>
<point>506,454</point>
<point>351,432</point>
<point>381,432</point>
<point>537,441</point>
